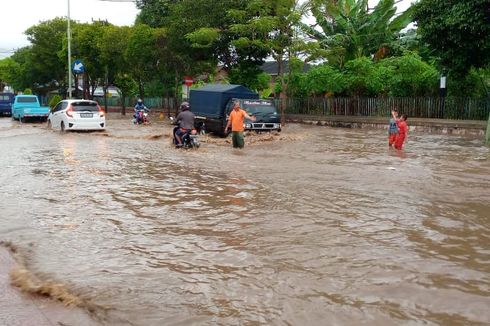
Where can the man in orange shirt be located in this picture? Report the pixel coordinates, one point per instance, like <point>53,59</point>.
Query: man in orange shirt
<point>236,120</point>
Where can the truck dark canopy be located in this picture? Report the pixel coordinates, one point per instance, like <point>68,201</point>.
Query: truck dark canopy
<point>211,99</point>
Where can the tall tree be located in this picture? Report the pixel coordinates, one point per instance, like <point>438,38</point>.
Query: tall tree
<point>348,29</point>
<point>154,13</point>
<point>457,31</point>
<point>87,39</point>
<point>48,61</point>
<point>141,55</point>
<point>270,25</point>
<point>112,45</point>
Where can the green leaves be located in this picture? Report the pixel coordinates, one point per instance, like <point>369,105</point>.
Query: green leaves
<point>348,24</point>
<point>203,37</point>
<point>457,31</point>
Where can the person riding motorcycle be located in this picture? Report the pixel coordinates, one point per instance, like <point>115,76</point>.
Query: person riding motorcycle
<point>140,106</point>
<point>185,121</point>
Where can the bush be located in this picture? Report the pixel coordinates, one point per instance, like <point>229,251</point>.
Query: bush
<point>54,100</point>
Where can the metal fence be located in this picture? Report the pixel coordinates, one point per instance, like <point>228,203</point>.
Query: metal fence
<point>415,107</point>
<point>151,102</point>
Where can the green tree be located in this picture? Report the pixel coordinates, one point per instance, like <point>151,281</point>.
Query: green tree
<point>270,25</point>
<point>127,86</point>
<point>410,76</point>
<point>18,69</point>
<point>112,46</point>
<point>87,40</point>
<point>141,55</point>
<point>154,13</point>
<point>47,59</point>
<point>348,30</point>
<point>363,78</point>
<point>457,31</point>
<point>325,79</point>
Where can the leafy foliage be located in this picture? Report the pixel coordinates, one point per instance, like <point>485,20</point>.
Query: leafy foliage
<point>348,30</point>
<point>410,76</point>
<point>457,31</point>
<point>54,100</point>
<point>47,40</point>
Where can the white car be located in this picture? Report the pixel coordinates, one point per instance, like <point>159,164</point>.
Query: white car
<point>77,115</point>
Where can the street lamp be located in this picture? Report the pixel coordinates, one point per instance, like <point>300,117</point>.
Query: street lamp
<point>68,31</point>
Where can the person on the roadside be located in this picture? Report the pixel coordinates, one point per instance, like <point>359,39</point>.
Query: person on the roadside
<point>401,123</point>
<point>236,121</point>
<point>185,119</point>
<point>393,129</point>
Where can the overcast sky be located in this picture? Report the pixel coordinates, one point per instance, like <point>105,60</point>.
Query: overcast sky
<point>19,15</point>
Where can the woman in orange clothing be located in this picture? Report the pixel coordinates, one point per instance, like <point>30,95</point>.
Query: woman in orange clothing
<point>402,130</point>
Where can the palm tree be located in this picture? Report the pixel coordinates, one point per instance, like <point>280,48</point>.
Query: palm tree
<point>349,29</point>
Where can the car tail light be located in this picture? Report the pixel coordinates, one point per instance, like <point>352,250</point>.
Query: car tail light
<point>101,111</point>
<point>69,112</point>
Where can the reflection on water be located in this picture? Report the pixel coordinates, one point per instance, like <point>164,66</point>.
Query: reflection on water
<point>296,230</point>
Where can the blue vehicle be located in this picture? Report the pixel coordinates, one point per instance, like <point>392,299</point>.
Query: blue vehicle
<point>6,100</point>
<point>28,106</point>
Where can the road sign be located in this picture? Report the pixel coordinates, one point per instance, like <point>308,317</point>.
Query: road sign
<point>78,67</point>
<point>188,81</point>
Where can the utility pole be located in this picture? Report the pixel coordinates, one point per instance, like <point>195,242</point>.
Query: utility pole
<point>68,31</point>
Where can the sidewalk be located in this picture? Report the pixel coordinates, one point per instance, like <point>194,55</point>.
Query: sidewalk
<point>19,309</point>
<point>439,126</point>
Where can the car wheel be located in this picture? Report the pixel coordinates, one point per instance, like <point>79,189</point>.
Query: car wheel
<point>49,125</point>
<point>21,119</point>
<point>62,127</point>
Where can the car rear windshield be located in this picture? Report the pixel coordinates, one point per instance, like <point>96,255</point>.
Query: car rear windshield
<point>27,100</point>
<point>85,106</point>
<point>4,98</point>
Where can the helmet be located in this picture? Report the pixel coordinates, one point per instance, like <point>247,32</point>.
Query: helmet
<point>140,101</point>
<point>184,106</point>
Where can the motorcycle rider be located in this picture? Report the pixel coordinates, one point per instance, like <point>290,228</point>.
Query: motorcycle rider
<point>185,121</point>
<point>140,106</point>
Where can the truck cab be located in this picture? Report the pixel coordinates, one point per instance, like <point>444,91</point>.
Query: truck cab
<point>28,106</point>
<point>6,100</point>
<point>265,112</point>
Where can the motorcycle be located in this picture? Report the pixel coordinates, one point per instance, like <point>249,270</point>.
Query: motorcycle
<point>189,140</point>
<point>141,117</point>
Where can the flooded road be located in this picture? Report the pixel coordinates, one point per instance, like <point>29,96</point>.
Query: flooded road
<point>317,226</point>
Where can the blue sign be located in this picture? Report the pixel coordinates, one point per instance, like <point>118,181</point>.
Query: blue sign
<point>78,67</point>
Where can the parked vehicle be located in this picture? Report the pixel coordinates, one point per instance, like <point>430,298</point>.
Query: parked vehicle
<point>6,100</point>
<point>28,106</point>
<point>77,115</point>
<point>209,104</point>
<point>265,112</point>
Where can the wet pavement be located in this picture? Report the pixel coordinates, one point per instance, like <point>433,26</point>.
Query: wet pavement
<point>313,226</point>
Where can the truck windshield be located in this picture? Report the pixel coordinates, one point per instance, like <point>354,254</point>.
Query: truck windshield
<point>27,100</point>
<point>259,109</point>
<point>85,106</point>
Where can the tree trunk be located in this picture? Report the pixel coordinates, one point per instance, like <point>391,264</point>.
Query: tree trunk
<point>283,94</point>
<point>123,97</point>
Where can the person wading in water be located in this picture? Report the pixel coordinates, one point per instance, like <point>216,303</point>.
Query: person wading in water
<point>236,120</point>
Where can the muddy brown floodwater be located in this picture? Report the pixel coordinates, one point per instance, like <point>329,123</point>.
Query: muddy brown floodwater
<point>317,226</point>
